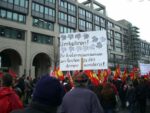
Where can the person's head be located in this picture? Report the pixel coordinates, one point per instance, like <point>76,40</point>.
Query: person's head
<point>48,91</point>
<point>7,80</point>
<point>80,79</point>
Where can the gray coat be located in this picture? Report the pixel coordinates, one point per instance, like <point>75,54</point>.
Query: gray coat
<point>81,100</point>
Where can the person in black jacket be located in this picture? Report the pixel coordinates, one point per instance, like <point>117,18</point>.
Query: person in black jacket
<point>47,96</point>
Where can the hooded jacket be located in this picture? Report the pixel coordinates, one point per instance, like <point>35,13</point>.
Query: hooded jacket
<point>9,100</point>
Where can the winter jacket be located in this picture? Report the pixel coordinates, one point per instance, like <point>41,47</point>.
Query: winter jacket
<point>81,100</point>
<point>9,100</point>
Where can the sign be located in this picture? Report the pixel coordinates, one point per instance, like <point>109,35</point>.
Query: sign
<point>89,47</point>
<point>144,68</point>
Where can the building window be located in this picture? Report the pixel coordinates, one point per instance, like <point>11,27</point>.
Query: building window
<point>97,27</point>
<point>21,3</point>
<point>43,9</point>
<point>43,39</point>
<point>102,21</point>
<point>88,25</point>
<point>117,36</point>
<point>117,27</point>
<point>50,1</point>
<point>10,1</point>
<point>96,18</point>
<point>71,19</point>
<point>51,12</point>
<point>119,57</point>
<point>63,29</point>
<point>12,33</point>
<point>81,23</point>
<point>81,12</point>
<point>71,7</point>
<point>63,4</point>
<point>9,15</point>
<point>62,16</point>
<point>88,15</point>
<point>12,16</point>
<point>3,13</point>
<point>110,25</point>
<point>118,49</point>
<point>15,16</point>
<point>43,24</point>
<point>117,43</point>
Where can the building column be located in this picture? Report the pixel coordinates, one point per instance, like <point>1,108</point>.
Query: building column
<point>28,62</point>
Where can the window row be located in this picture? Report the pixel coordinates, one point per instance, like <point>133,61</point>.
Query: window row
<point>68,6</point>
<point>43,39</point>
<point>12,16</point>
<point>65,17</point>
<point>43,24</point>
<point>42,9</point>
<point>21,3</point>
<point>85,24</point>
<point>63,29</point>
<point>12,33</point>
<point>85,13</point>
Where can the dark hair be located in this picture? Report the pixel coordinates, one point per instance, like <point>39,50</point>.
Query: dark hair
<point>7,80</point>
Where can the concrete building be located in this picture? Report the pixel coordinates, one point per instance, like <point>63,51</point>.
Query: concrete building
<point>29,33</point>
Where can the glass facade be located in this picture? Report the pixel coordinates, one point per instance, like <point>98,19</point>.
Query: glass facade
<point>20,3</point>
<point>43,24</point>
<point>9,15</point>
<point>71,19</point>
<point>12,33</point>
<point>43,9</point>
<point>63,29</point>
<point>50,1</point>
<point>71,8</point>
<point>62,16</point>
<point>43,39</point>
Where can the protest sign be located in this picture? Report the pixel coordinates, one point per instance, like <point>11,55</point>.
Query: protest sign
<point>91,47</point>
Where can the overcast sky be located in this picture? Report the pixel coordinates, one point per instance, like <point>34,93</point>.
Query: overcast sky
<point>135,11</point>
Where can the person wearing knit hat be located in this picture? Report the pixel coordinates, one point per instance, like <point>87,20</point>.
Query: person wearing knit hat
<point>80,99</point>
<point>47,96</point>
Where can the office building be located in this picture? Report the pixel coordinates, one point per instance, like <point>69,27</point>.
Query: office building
<point>29,33</point>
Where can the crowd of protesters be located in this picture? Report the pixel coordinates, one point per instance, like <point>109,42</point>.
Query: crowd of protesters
<point>51,95</point>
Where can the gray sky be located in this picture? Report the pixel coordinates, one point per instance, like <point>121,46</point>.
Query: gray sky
<point>135,11</point>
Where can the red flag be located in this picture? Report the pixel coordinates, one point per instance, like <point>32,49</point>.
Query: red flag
<point>93,77</point>
<point>124,76</point>
<point>117,72</point>
<point>12,73</point>
<point>60,74</point>
<point>132,75</point>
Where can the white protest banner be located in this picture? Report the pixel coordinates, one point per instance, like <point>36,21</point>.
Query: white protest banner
<point>91,47</point>
<point>144,68</point>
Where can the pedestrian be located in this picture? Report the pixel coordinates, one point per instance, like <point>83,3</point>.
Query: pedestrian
<point>108,98</point>
<point>9,100</point>
<point>80,99</point>
<point>47,96</point>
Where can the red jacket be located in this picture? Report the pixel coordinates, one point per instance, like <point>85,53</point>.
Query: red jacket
<point>9,100</point>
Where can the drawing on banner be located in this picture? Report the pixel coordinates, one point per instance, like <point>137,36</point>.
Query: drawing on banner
<point>91,46</point>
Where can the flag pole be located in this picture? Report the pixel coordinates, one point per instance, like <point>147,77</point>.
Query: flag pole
<point>81,64</point>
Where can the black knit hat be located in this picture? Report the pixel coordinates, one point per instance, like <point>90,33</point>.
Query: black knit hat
<point>48,91</point>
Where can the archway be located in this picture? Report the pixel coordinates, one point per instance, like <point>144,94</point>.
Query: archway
<point>10,59</point>
<point>41,62</point>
